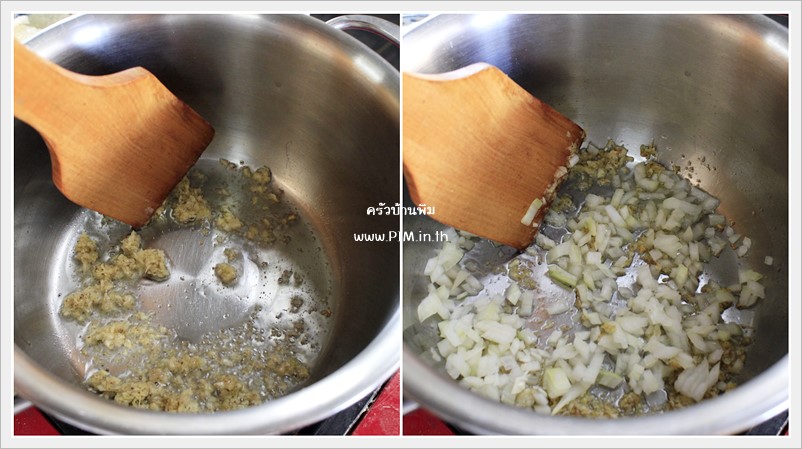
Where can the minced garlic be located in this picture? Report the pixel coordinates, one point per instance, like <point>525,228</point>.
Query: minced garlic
<point>190,206</point>
<point>226,273</point>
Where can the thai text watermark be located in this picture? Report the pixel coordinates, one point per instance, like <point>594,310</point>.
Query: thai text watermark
<point>397,209</point>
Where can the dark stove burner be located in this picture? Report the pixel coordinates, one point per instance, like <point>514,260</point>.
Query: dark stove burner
<point>343,422</point>
<point>775,426</point>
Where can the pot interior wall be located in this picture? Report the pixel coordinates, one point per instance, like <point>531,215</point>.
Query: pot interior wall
<point>278,92</point>
<point>710,91</point>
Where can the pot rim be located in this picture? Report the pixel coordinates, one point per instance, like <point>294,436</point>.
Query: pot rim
<point>351,382</point>
<point>751,403</point>
<point>79,407</point>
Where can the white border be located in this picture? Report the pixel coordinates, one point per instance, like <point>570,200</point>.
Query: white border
<point>6,217</point>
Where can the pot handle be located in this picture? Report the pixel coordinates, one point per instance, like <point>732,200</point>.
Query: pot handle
<point>375,25</point>
<point>20,404</point>
<point>408,406</point>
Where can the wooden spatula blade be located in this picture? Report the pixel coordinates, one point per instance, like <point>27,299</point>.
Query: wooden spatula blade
<point>119,143</point>
<point>140,165</point>
<point>480,149</point>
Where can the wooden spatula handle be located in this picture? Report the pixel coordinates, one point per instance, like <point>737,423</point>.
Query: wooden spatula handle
<point>50,98</point>
<point>36,83</point>
<point>118,143</point>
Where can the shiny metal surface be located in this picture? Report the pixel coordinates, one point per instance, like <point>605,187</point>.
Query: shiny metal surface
<point>710,91</point>
<point>367,23</point>
<point>317,107</point>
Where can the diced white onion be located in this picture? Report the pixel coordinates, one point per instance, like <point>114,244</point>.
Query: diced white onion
<point>557,308</point>
<point>530,214</point>
<point>694,382</point>
<point>632,263</point>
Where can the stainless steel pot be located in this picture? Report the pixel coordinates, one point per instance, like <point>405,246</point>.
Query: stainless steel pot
<point>287,91</point>
<point>701,86</point>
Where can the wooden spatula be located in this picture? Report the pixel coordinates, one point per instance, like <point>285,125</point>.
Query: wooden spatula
<point>118,143</point>
<point>481,150</point>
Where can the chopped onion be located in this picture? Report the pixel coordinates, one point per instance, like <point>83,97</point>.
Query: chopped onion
<point>557,308</point>
<point>573,160</point>
<point>573,393</point>
<point>716,220</point>
<point>530,214</point>
<point>668,244</point>
<point>555,382</point>
<point>695,381</point>
<point>513,293</point>
<point>684,206</point>
<point>496,332</point>
<point>609,379</point>
<point>651,382</point>
<point>527,303</point>
<point>593,369</point>
<point>746,243</point>
<point>431,305</point>
<point>660,350</point>
<point>562,276</point>
<point>748,275</point>
<point>634,258</point>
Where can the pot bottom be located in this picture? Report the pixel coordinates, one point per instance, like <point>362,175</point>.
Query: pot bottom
<point>279,302</point>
